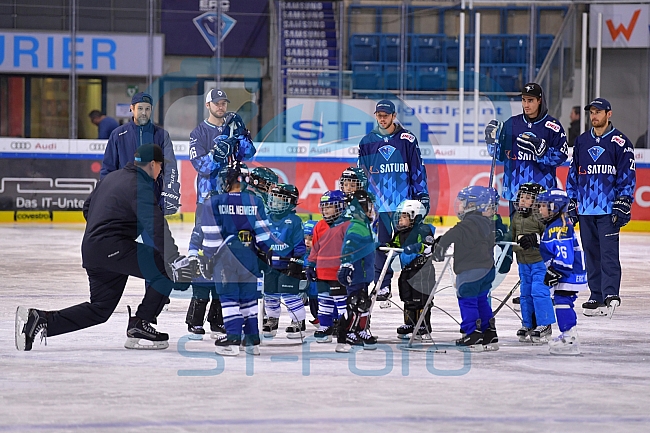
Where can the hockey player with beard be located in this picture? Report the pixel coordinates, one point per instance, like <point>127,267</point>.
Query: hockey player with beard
<point>324,261</point>
<point>390,157</point>
<point>530,145</point>
<point>220,138</point>
<point>416,238</point>
<point>236,233</point>
<point>473,240</point>
<point>565,272</point>
<point>282,280</point>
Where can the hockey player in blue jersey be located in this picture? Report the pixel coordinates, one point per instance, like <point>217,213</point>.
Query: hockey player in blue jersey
<point>287,252</point>
<point>220,138</point>
<point>531,145</point>
<point>236,233</point>
<point>601,184</point>
<point>473,240</point>
<point>390,156</point>
<point>565,272</point>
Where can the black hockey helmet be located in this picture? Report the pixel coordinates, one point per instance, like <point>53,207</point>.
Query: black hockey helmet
<point>360,201</point>
<point>529,191</point>
<point>283,197</point>
<point>235,172</point>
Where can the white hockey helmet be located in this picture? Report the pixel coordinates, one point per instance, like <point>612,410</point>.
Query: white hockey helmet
<point>413,209</point>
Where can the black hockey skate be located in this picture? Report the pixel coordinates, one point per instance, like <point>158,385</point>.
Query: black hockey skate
<point>296,329</point>
<point>523,333</point>
<point>29,322</point>
<point>611,302</point>
<point>490,338</point>
<point>593,308</point>
<point>216,329</point>
<point>139,329</point>
<point>270,328</point>
<point>368,340</point>
<point>383,297</point>
<point>324,334</point>
<point>403,331</point>
<point>350,341</point>
<point>227,345</point>
<point>540,334</point>
<point>472,342</point>
<point>516,303</point>
<point>251,344</point>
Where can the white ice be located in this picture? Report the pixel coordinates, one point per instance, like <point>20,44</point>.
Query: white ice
<point>86,381</point>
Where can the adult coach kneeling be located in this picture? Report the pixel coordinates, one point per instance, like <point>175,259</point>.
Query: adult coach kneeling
<point>122,207</point>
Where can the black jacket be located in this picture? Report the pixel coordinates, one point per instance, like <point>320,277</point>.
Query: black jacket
<point>473,239</point>
<point>124,206</point>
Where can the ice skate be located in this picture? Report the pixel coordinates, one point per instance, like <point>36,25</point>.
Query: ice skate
<point>490,338</point>
<point>516,303</point>
<point>593,308</point>
<point>523,333</point>
<point>324,334</point>
<point>216,330</point>
<point>315,322</point>
<point>251,344</point>
<point>29,322</point>
<point>383,297</point>
<point>611,302</point>
<point>196,332</point>
<point>227,346</point>
<point>296,329</point>
<point>351,340</point>
<point>404,331</point>
<point>140,331</point>
<point>566,343</point>
<point>471,342</point>
<point>540,334</point>
<point>368,340</point>
<point>270,328</point>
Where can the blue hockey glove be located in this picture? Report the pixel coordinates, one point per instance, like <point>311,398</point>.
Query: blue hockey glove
<point>528,241</point>
<point>223,148</point>
<point>534,145</point>
<point>572,211</point>
<point>310,273</point>
<point>344,274</point>
<point>419,248</point>
<point>171,199</point>
<point>552,277</point>
<point>425,202</point>
<point>621,211</point>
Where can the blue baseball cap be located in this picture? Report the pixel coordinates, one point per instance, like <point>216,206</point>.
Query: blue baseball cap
<point>385,106</point>
<point>141,97</point>
<point>599,104</point>
<point>216,95</point>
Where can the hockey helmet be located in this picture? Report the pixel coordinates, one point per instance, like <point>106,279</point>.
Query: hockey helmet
<point>263,179</point>
<point>331,205</point>
<point>550,203</point>
<point>494,200</point>
<point>308,227</point>
<point>353,179</point>
<point>360,202</point>
<point>413,209</point>
<point>235,172</point>
<point>282,198</point>
<point>473,198</point>
<point>526,196</point>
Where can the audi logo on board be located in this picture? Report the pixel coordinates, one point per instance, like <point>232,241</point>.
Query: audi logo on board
<point>97,146</point>
<point>297,149</point>
<point>179,148</point>
<point>21,145</point>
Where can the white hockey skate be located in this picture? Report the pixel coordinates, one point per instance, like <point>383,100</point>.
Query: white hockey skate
<point>142,336</point>
<point>611,302</point>
<point>566,343</point>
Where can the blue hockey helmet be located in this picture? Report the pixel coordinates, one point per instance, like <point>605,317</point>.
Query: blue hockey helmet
<point>332,204</point>
<point>353,179</point>
<point>235,172</point>
<point>282,198</point>
<point>494,200</point>
<point>308,227</point>
<point>550,203</point>
<point>472,198</point>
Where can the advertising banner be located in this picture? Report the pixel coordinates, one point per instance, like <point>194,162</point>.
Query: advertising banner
<point>624,25</point>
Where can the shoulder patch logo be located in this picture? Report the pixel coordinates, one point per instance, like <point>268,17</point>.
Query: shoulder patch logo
<point>387,151</point>
<point>552,125</point>
<point>619,140</point>
<point>595,152</point>
<point>407,136</point>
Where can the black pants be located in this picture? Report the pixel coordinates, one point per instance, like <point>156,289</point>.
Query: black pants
<point>108,265</point>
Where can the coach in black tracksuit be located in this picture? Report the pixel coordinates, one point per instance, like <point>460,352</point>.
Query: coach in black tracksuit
<point>122,207</point>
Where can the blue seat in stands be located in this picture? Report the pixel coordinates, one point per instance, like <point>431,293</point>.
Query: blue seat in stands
<point>392,74</point>
<point>431,77</point>
<point>428,48</point>
<point>364,48</point>
<point>516,49</point>
<point>367,76</point>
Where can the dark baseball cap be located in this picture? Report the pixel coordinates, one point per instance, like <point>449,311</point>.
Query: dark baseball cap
<point>149,152</point>
<point>216,95</point>
<point>599,104</point>
<point>141,97</point>
<point>385,106</point>
<point>532,89</point>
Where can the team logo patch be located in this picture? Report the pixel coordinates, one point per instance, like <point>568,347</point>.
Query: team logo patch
<point>407,136</point>
<point>387,152</point>
<point>595,152</point>
<point>552,125</point>
<point>619,140</point>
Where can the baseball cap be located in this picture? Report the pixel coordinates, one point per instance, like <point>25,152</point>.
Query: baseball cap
<point>385,106</point>
<point>141,97</point>
<point>216,95</point>
<point>600,104</point>
<point>532,89</point>
<point>149,152</point>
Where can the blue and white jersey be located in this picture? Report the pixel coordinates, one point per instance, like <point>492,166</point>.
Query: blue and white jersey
<point>394,167</point>
<point>520,166</point>
<point>237,214</point>
<point>202,140</point>
<point>601,170</point>
<point>561,250</point>
<point>287,239</point>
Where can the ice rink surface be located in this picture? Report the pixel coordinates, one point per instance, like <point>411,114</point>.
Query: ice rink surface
<point>87,381</point>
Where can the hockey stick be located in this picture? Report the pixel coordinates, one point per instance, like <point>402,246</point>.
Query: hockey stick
<point>389,259</point>
<point>515,287</point>
<point>494,156</point>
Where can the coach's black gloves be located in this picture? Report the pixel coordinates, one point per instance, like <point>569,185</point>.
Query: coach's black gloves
<point>534,145</point>
<point>621,211</point>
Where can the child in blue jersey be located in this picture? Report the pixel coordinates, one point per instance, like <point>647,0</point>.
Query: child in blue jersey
<point>473,240</point>
<point>565,272</point>
<point>312,288</point>
<point>390,157</point>
<point>236,233</point>
<point>416,238</point>
<point>287,251</point>
<point>531,145</point>
<point>536,306</point>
